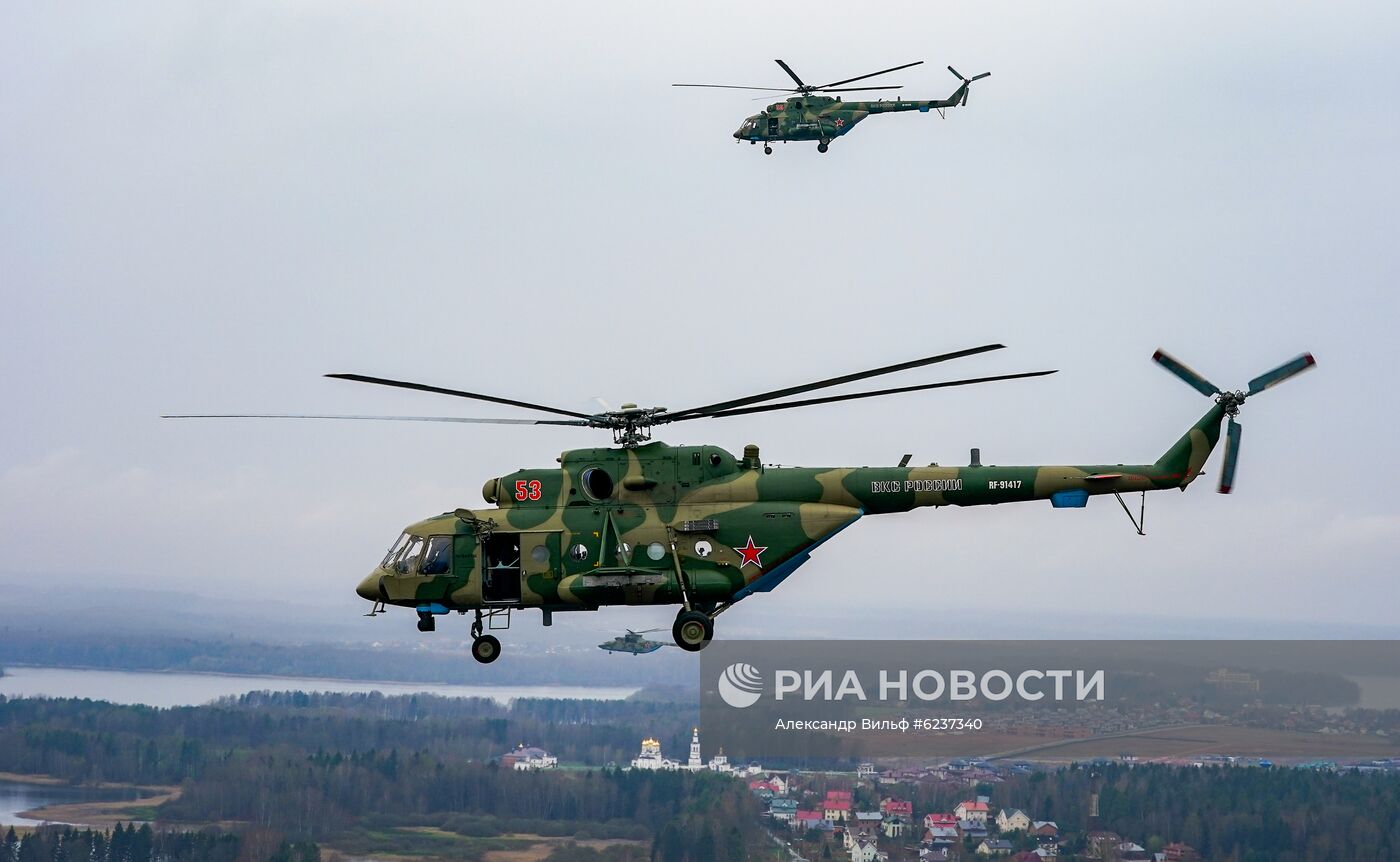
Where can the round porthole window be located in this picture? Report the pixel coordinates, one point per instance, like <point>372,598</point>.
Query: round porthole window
<point>703,548</point>
<point>540,554</point>
<point>579,552</point>
<point>597,483</point>
<point>656,550</point>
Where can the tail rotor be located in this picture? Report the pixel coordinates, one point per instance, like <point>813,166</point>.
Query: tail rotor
<point>1231,401</point>
<point>966,87</point>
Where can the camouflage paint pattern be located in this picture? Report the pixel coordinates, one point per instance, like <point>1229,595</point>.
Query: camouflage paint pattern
<point>733,526</point>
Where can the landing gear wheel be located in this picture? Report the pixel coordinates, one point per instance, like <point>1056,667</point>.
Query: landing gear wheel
<point>692,631</point>
<point>426,623</point>
<point>822,147</point>
<point>767,150</point>
<point>486,649</point>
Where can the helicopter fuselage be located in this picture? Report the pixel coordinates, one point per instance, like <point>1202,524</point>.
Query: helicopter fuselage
<point>822,118</point>
<point>660,525</point>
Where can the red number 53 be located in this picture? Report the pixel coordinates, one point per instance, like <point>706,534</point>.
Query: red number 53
<point>527,490</point>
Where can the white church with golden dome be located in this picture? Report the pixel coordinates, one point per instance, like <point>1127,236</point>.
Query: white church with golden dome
<point>651,758</point>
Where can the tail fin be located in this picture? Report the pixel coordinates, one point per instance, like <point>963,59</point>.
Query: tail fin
<point>1183,461</point>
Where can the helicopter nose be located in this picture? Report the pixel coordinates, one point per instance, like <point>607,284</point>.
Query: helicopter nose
<point>368,588</point>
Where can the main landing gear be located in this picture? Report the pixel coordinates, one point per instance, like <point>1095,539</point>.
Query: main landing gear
<point>767,150</point>
<point>823,146</point>
<point>693,630</point>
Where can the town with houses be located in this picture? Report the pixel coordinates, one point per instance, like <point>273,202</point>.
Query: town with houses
<point>865,820</point>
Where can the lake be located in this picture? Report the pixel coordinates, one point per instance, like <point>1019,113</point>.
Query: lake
<point>192,689</point>
<point>17,796</point>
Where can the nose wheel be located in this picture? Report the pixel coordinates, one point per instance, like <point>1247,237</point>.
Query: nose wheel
<point>485,648</point>
<point>693,630</point>
<point>767,150</point>
<point>822,146</point>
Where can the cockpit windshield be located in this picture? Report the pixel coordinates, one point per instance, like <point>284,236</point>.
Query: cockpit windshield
<point>407,556</point>
<point>394,550</point>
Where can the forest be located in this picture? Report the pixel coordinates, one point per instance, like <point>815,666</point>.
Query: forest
<point>296,777</point>
<point>355,770</point>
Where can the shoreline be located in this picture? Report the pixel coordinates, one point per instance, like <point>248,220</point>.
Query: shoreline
<point>249,675</point>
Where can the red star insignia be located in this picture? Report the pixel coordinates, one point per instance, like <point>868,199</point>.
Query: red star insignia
<point>840,123</point>
<point>750,554</point>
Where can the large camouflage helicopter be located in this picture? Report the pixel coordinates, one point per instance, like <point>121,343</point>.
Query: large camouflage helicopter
<point>646,523</point>
<point>633,643</point>
<point>808,116</point>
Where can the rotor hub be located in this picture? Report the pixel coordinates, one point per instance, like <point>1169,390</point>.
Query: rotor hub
<point>1231,401</point>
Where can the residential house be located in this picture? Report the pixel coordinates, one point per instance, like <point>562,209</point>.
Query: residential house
<point>976,811</point>
<point>868,820</point>
<point>810,820</point>
<point>936,854</point>
<point>972,829</point>
<point>904,808</point>
<point>1128,851</point>
<point>865,851</point>
<point>852,837</point>
<point>942,836</point>
<point>837,810</point>
<point>1013,820</point>
<point>1178,852</point>
<point>782,808</point>
<point>932,820</point>
<point>525,758</point>
<point>1045,827</point>
<point>994,847</point>
<point>893,826</point>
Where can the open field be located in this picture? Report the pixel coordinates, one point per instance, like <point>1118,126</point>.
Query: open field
<point>1200,740</point>
<point>106,814</point>
<point>431,844</point>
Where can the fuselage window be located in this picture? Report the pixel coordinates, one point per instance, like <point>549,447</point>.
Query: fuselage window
<point>438,560</point>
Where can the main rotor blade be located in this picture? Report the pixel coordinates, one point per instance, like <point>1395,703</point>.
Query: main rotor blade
<point>463,419</point>
<point>1179,368</point>
<point>738,87</point>
<point>858,89</point>
<point>1232,456</point>
<point>871,75</point>
<point>1297,365</point>
<point>791,73</point>
<point>423,387</point>
<point>822,384</point>
<point>763,408</point>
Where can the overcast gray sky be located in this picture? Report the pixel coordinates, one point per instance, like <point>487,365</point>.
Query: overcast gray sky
<point>205,206</point>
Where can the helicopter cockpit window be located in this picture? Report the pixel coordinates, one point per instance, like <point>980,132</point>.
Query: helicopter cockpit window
<point>394,550</point>
<point>406,563</point>
<point>597,483</point>
<point>438,560</point>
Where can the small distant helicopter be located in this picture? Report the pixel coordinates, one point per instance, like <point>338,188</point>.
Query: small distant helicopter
<point>633,643</point>
<point>647,523</point>
<point>807,116</point>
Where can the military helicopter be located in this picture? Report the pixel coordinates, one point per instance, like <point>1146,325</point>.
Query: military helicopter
<point>808,116</point>
<point>646,523</point>
<point>633,643</point>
